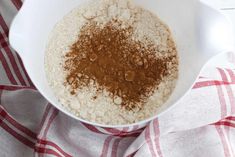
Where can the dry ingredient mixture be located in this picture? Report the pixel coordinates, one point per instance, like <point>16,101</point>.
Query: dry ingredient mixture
<point>116,63</point>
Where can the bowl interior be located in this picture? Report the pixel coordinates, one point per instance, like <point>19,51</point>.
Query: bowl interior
<point>31,28</point>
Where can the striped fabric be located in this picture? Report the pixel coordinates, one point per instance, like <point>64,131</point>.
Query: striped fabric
<point>202,124</point>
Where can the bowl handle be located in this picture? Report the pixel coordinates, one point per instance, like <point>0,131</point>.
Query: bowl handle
<point>215,34</point>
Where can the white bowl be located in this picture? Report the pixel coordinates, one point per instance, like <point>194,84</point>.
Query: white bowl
<point>200,32</point>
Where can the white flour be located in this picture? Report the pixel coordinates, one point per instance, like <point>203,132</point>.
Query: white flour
<point>102,109</point>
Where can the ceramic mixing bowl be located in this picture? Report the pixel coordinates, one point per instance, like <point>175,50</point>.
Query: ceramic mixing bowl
<point>200,32</point>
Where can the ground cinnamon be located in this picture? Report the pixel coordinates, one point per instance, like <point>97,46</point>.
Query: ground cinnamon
<point>112,60</point>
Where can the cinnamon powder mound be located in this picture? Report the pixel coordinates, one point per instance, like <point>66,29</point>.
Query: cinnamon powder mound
<point>112,60</point>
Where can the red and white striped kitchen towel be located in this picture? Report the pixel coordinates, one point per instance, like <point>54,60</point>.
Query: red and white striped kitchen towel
<point>202,124</point>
